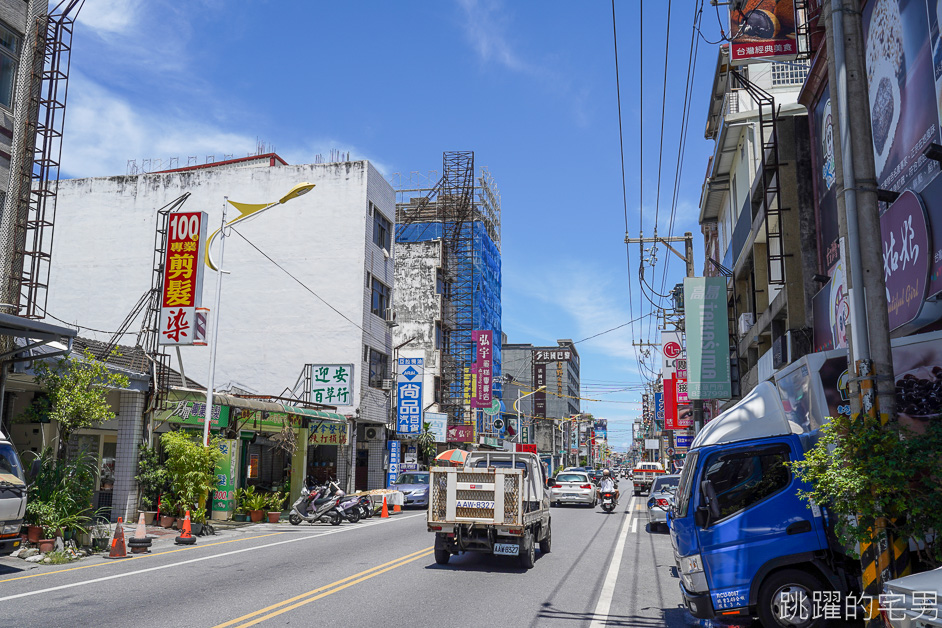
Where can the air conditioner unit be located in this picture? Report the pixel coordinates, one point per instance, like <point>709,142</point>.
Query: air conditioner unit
<point>783,350</point>
<point>390,317</point>
<point>746,321</point>
<point>371,433</point>
<point>387,384</point>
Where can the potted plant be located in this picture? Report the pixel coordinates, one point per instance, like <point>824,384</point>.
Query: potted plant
<point>101,533</point>
<point>190,467</point>
<point>152,480</point>
<point>241,513</point>
<point>276,503</point>
<point>168,511</point>
<point>197,521</point>
<point>256,504</point>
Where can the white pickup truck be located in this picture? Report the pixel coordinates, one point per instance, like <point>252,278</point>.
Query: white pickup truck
<point>642,476</point>
<point>496,503</point>
<point>12,497</point>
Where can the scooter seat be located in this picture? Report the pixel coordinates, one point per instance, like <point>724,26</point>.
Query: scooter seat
<point>320,500</point>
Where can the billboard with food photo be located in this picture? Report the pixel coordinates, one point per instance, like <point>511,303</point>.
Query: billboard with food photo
<point>762,30</point>
<point>904,87</point>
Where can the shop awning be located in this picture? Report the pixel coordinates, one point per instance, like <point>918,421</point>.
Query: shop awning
<point>35,334</point>
<point>261,405</point>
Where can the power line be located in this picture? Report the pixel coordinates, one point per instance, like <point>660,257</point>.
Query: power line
<point>303,285</point>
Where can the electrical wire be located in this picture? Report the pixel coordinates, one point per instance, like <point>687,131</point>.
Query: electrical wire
<point>97,331</point>
<point>382,341</point>
<point>660,151</point>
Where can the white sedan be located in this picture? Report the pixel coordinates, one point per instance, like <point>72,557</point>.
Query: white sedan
<point>573,487</point>
<point>913,601</point>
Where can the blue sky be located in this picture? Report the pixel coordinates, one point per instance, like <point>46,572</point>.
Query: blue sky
<point>529,86</point>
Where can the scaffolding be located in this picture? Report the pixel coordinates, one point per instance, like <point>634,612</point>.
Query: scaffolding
<point>463,211</point>
<point>38,176</point>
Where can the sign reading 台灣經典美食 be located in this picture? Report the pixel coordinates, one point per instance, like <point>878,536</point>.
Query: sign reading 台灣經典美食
<point>761,31</point>
<point>332,384</point>
<point>182,277</point>
<point>411,371</point>
<point>707,330</point>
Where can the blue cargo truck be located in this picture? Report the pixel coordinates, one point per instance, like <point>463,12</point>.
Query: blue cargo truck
<point>744,542</point>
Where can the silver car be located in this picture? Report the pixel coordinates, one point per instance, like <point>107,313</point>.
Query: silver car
<point>913,601</point>
<point>414,486</point>
<point>573,487</point>
<point>661,498</point>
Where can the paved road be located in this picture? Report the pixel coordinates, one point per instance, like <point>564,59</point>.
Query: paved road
<point>369,573</point>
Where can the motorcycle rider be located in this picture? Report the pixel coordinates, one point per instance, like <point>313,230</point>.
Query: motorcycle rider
<point>608,485</point>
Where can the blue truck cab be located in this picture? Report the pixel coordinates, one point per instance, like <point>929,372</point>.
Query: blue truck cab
<point>742,537</point>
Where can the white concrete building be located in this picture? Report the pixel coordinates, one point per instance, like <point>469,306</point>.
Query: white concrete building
<point>321,298</point>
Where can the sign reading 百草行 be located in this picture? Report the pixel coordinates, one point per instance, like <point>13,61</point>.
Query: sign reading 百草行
<point>409,395</point>
<point>707,331</point>
<point>332,384</point>
<point>182,277</point>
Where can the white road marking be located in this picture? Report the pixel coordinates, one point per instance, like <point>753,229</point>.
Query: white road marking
<point>634,526</point>
<point>608,588</point>
<point>198,560</point>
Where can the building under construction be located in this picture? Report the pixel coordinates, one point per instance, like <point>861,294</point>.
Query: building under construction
<point>448,282</point>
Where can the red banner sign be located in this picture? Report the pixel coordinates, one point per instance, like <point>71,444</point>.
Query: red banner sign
<point>460,434</point>
<point>678,415</point>
<point>527,448</point>
<point>183,277</point>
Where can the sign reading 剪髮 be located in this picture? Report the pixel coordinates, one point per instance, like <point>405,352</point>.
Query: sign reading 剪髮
<point>707,338</point>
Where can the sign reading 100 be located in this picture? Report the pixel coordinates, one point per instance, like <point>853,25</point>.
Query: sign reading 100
<point>184,227</point>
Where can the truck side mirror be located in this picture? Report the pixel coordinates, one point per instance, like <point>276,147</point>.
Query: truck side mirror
<point>550,483</point>
<point>711,509</point>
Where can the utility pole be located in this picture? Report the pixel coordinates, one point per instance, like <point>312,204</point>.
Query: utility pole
<point>870,359</point>
<point>687,257</point>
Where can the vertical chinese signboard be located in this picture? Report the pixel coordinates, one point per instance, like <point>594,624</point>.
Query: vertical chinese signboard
<point>762,31</point>
<point>332,384</point>
<point>395,455</point>
<point>483,367</point>
<point>224,494</point>
<point>409,395</point>
<point>183,277</point>
<point>707,331</point>
<point>539,397</point>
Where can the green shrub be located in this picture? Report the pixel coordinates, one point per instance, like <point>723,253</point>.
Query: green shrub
<point>190,468</point>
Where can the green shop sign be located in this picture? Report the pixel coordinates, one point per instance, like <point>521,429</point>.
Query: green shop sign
<point>707,328</point>
<point>194,413</point>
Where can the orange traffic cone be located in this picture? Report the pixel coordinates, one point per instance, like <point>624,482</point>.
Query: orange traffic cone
<point>186,537</point>
<point>139,543</point>
<point>397,508</point>
<point>385,512</point>
<point>118,548</point>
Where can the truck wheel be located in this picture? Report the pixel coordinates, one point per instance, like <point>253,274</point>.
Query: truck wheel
<point>785,600</point>
<point>547,543</point>
<point>527,551</point>
<point>442,556</point>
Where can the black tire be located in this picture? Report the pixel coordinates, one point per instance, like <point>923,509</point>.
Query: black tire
<point>294,519</point>
<point>353,515</point>
<point>189,540</point>
<point>442,556</point>
<point>791,581</point>
<point>335,518</point>
<point>546,545</point>
<point>527,550</point>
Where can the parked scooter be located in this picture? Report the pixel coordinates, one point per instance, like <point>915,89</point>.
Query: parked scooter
<point>317,504</point>
<point>366,507</point>
<point>349,508</point>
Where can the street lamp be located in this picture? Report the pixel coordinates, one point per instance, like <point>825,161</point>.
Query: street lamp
<point>517,408</point>
<point>245,210</point>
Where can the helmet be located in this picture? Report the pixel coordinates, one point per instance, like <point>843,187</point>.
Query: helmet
<point>606,473</point>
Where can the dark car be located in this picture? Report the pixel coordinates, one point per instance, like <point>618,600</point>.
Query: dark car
<point>595,475</point>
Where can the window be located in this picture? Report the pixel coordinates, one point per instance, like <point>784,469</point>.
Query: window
<point>9,53</point>
<point>381,229</point>
<point>441,337</point>
<point>369,277</point>
<point>746,477</point>
<point>438,389</point>
<point>441,286</point>
<point>379,368</point>
<point>380,298</point>
<point>790,73</point>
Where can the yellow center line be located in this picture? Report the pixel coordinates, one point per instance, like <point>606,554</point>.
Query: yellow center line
<point>329,589</point>
<point>152,555</point>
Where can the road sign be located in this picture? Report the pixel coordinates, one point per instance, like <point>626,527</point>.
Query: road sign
<point>495,407</point>
<point>498,424</point>
<point>670,451</point>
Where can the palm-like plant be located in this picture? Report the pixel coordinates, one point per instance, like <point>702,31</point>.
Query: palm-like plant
<point>425,444</point>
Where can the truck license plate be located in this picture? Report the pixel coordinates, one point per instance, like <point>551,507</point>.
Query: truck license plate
<point>474,503</point>
<point>506,549</point>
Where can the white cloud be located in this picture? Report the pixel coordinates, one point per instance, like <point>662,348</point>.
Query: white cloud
<point>485,29</point>
<point>110,17</point>
<point>103,131</point>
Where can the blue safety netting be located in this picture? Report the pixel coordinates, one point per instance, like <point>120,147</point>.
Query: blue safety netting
<point>485,262</point>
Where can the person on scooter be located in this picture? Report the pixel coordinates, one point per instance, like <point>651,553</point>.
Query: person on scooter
<point>608,485</point>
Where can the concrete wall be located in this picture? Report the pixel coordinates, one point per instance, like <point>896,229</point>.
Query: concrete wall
<point>270,326</point>
<point>418,307</point>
